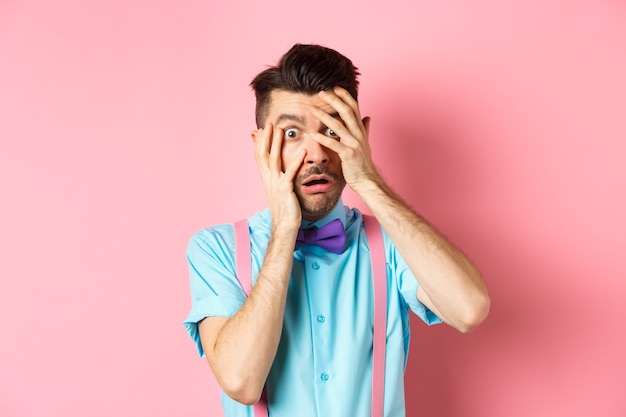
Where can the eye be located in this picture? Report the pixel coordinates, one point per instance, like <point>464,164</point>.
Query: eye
<point>331,133</point>
<point>292,133</point>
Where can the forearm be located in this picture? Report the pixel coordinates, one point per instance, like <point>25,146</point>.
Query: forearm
<point>245,346</point>
<point>449,283</point>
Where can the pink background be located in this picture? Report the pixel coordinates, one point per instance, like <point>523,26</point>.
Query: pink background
<point>124,128</point>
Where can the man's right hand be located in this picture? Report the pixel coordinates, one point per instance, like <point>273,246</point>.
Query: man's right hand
<point>254,331</point>
<point>283,203</point>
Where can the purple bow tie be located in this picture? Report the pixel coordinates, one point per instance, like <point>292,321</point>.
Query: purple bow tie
<point>331,237</point>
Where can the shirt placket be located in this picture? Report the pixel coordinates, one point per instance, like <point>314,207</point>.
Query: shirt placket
<point>317,281</point>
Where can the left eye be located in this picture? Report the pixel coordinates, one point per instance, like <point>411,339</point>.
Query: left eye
<point>331,133</point>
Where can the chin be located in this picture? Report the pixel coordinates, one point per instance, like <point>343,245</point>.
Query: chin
<point>314,208</point>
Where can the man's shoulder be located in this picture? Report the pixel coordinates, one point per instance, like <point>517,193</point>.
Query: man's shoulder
<point>211,237</point>
<point>222,233</point>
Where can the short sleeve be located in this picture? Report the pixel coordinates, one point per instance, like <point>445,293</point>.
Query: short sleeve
<point>407,284</point>
<point>215,290</point>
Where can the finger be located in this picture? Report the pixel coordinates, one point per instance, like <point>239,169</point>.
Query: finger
<point>275,149</point>
<point>262,144</point>
<point>333,123</point>
<point>331,143</point>
<point>349,100</point>
<point>346,112</point>
<point>294,166</point>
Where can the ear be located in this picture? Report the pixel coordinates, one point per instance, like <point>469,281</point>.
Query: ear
<point>366,124</point>
<point>254,134</point>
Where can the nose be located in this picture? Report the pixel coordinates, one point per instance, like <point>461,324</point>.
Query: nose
<point>315,153</point>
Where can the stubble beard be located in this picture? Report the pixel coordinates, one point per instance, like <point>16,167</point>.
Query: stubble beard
<point>316,206</point>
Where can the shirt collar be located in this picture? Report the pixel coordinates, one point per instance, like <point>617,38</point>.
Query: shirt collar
<point>338,212</point>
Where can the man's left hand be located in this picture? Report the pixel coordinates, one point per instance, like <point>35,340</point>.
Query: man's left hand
<point>353,145</point>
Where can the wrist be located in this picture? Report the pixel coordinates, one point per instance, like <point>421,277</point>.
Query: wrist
<point>368,184</point>
<point>285,231</point>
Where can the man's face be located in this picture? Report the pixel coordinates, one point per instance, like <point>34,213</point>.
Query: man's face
<point>319,182</point>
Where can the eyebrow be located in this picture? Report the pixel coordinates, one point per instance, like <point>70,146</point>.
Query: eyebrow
<point>292,117</point>
<point>296,118</point>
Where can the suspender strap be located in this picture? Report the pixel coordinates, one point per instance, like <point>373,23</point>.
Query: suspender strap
<point>379,275</point>
<point>243,261</point>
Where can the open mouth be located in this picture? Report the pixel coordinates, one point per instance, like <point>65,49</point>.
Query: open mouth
<point>315,182</point>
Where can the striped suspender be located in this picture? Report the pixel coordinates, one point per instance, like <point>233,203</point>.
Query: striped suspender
<point>379,273</point>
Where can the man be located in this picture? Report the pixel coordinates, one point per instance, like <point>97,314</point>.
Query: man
<point>304,334</point>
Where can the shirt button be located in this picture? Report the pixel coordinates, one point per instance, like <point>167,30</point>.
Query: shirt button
<point>324,376</point>
<point>321,318</point>
<point>315,266</point>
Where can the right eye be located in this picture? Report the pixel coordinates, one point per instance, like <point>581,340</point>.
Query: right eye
<point>292,133</point>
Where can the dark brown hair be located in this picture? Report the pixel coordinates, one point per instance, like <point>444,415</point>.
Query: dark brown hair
<point>305,69</point>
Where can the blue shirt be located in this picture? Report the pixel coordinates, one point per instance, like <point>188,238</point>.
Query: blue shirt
<point>323,366</point>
